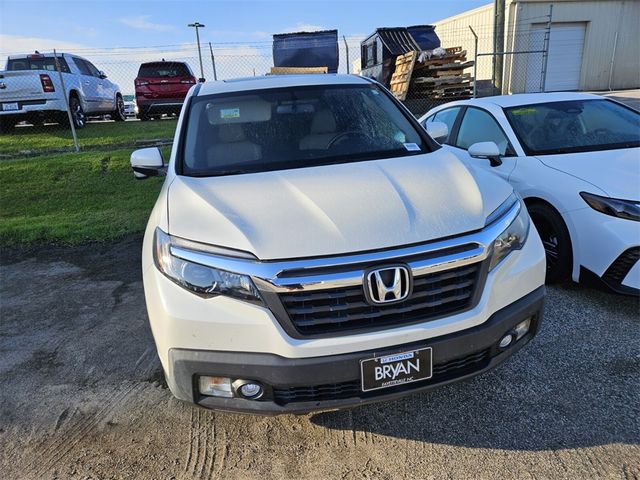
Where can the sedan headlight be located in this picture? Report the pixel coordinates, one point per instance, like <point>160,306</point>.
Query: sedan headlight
<point>615,207</point>
<point>200,279</point>
<point>512,238</point>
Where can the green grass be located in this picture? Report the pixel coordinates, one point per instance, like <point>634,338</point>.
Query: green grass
<point>51,137</point>
<point>73,198</point>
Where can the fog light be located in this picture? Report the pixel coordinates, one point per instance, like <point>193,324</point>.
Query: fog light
<point>216,386</point>
<point>522,328</point>
<point>505,341</point>
<point>250,390</point>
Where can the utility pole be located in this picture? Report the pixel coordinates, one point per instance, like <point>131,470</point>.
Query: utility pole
<point>498,45</point>
<point>198,25</point>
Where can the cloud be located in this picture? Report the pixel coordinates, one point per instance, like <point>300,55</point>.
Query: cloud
<point>86,31</point>
<point>14,44</point>
<point>141,22</point>
<point>302,27</point>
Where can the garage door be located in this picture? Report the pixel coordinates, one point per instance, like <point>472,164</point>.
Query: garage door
<point>565,57</point>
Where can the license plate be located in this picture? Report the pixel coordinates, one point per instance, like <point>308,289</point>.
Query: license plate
<point>6,107</point>
<point>397,369</point>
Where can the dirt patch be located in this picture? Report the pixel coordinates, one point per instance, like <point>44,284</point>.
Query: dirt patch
<point>82,395</point>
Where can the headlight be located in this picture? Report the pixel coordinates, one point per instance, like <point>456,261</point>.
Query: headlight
<point>202,280</point>
<point>512,238</point>
<point>627,209</point>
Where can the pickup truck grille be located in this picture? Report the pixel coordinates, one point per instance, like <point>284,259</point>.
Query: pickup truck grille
<point>340,310</point>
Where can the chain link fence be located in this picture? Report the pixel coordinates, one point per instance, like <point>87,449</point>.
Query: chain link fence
<point>101,85</point>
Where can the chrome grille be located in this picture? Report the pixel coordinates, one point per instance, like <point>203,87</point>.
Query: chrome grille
<point>342,309</point>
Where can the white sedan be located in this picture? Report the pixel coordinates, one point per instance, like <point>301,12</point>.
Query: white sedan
<point>575,159</point>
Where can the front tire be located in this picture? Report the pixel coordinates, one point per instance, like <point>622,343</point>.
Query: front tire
<point>119,115</point>
<point>556,240</point>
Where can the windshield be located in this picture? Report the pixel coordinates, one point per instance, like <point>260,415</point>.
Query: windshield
<point>294,127</point>
<point>574,126</point>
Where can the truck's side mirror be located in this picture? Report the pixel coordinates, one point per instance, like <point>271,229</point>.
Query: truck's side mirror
<point>486,150</point>
<point>148,162</point>
<point>437,130</point>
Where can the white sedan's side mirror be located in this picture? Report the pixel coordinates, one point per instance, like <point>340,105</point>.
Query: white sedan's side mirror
<point>437,130</point>
<point>147,162</point>
<point>487,150</point>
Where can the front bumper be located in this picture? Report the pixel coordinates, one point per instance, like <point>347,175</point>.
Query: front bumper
<point>322,383</point>
<point>606,251</point>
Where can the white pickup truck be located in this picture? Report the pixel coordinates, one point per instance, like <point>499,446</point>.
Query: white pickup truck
<point>31,90</point>
<point>313,248</point>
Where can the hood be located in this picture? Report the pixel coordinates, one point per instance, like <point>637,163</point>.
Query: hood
<point>335,209</point>
<point>615,172</point>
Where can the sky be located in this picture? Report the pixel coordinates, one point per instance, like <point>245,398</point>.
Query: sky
<point>116,33</point>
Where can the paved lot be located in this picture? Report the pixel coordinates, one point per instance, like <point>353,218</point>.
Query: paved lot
<point>82,395</point>
<point>629,97</point>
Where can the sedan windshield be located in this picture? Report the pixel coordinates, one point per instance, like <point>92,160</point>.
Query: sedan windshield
<point>574,126</point>
<point>275,129</point>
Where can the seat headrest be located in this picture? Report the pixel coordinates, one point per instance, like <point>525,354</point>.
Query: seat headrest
<point>323,122</point>
<point>231,133</point>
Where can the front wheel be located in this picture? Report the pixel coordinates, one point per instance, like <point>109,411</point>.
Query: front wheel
<point>556,240</point>
<point>119,115</point>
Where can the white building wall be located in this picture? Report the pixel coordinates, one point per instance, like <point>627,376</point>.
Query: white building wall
<point>603,19</point>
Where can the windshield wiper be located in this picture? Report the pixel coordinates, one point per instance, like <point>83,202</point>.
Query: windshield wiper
<point>588,148</point>
<point>219,173</point>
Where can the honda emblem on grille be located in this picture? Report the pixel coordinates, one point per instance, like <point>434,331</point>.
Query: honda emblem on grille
<point>387,285</point>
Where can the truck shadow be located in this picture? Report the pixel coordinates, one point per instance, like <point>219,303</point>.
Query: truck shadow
<point>575,385</point>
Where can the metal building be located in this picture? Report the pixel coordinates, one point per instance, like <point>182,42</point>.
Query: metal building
<point>592,45</point>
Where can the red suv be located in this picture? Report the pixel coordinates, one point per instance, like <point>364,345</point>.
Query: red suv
<point>161,88</point>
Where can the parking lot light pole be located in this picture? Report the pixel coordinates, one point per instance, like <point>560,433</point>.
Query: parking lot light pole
<point>198,25</point>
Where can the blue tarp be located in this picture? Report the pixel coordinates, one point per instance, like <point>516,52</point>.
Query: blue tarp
<point>425,36</point>
<point>306,49</point>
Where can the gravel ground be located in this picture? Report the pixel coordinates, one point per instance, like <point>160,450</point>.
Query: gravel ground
<point>82,395</point>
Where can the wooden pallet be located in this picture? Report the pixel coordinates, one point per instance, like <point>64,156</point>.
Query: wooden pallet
<point>447,58</point>
<point>449,65</point>
<point>401,78</point>
<point>434,78</point>
<point>448,79</point>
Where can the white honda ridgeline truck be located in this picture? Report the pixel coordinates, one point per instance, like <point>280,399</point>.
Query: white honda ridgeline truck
<point>313,248</point>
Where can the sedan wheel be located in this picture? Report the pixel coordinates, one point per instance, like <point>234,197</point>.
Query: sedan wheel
<point>556,241</point>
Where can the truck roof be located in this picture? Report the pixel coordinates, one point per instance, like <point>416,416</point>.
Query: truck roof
<point>35,55</point>
<point>279,81</point>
